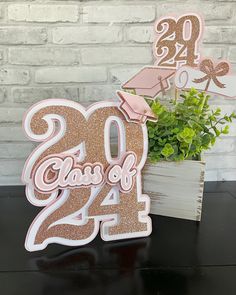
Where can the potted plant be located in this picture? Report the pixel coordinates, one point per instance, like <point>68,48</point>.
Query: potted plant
<point>174,174</point>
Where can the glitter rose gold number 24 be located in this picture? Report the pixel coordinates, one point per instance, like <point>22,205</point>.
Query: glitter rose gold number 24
<point>72,216</point>
<point>177,41</point>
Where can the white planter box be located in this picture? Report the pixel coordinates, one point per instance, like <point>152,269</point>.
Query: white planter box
<point>175,188</point>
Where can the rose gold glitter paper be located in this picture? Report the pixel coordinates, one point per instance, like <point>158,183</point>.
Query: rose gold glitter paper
<point>72,137</point>
<point>73,217</point>
<point>177,41</point>
<point>78,198</point>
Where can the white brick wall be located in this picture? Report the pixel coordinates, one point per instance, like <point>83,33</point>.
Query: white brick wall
<point>84,50</point>
<point>22,35</point>
<point>87,34</point>
<point>39,56</point>
<point>43,13</point>
<point>71,74</point>
<point>138,13</point>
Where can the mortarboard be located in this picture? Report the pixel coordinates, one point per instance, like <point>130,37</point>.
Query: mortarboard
<point>135,108</point>
<point>150,81</point>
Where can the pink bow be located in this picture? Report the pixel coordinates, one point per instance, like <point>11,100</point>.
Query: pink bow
<point>212,73</point>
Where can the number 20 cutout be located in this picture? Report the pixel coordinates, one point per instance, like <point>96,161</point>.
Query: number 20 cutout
<point>74,176</point>
<point>177,41</point>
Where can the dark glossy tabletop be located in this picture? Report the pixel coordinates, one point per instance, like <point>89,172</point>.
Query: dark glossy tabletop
<point>180,257</point>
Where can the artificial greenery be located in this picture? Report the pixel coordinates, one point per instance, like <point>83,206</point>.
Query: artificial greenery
<point>186,128</point>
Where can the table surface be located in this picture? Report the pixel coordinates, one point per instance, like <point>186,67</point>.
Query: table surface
<point>180,257</point>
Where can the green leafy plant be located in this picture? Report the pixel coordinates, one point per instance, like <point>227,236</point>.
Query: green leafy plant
<point>186,128</point>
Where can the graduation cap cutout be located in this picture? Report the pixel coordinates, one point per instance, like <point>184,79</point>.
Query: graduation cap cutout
<point>135,108</point>
<point>150,81</point>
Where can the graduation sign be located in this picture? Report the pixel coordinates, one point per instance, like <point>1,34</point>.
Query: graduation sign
<point>74,176</point>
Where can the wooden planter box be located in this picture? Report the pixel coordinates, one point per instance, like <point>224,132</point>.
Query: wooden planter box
<point>175,188</point>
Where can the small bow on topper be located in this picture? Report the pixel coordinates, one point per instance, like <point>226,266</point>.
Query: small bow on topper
<point>209,76</point>
<point>212,73</point>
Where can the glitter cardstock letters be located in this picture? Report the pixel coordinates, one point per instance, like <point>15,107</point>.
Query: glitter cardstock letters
<point>176,45</point>
<point>177,41</point>
<point>75,177</point>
